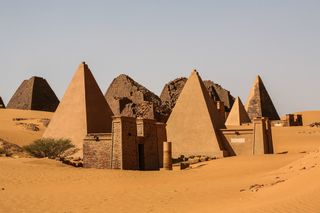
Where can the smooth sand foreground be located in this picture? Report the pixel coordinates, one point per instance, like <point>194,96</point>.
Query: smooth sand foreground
<point>269,183</point>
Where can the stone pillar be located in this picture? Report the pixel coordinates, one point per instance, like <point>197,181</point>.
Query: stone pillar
<point>260,139</point>
<point>167,155</point>
<point>290,119</point>
<point>299,121</point>
<point>162,136</point>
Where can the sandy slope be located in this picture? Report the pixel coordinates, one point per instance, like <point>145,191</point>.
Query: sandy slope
<point>15,132</point>
<point>33,185</point>
<point>267,183</point>
<point>295,139</point>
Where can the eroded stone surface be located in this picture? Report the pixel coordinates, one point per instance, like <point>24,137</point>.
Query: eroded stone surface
<point>259,103</point>
<point>34,94</point>
<point>172,90</point>
<point>126,97</point>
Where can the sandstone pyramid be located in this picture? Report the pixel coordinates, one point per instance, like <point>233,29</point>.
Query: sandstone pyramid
<point>238,114</point>
<point>193,126</point>
<point>2,104</point>
<point>259,103</point>
<point>126,97</point>
<point>34,94</point>
<point>172,90</point>
<point>83,109</point>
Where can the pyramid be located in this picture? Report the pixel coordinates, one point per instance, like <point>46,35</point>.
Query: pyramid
<point>238,115</point>
<point>2,104</point>
<point>83,109</point>
<point>193,126</point>
<point>259,103</point>
<point>34,94</point>
<point>127,97</point>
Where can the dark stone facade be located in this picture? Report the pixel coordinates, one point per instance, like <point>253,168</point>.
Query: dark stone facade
<point>2,104</point>
<point>34,94</point>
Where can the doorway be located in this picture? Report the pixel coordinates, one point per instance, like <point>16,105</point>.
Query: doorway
<point>141,156</point>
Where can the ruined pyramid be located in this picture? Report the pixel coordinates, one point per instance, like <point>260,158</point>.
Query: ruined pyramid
<point>34,94</point>
<point>238,114</point>
<point>259,103</point>
<point>83,109</point>
<point>172,90</point>
<point>193,126</point>
<point>126,97</point>
<point>2,104</point>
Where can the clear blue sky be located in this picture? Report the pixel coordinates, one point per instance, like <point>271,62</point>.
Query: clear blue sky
<point>229,42</point>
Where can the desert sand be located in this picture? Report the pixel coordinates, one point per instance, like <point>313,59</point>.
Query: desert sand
<point>13,129</point>
<point>284,182</point>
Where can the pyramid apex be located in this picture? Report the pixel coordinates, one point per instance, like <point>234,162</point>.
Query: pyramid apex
<point>194,71</point>
<point>258,78</point>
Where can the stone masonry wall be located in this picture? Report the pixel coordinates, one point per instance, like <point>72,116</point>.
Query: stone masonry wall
<point>97,150</point>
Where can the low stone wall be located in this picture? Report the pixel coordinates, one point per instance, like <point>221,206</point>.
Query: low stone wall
<point>97,149</point>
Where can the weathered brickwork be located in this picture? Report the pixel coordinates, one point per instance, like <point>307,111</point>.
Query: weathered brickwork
<point>97,149</point>
<point>128,155</point>
<point>132,145</point>
<point>148,130</point>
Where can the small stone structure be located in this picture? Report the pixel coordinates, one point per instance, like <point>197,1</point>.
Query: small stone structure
<point>294,120</point>
<point>167,155</point>
<point>134,144</point>
<point>290,120</point>
<point>2,104</point>
<point>250,139</point>
<point>34,94</point>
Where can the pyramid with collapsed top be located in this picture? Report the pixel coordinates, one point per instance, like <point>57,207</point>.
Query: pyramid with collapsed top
<point>83,109</point>
<point>34,94</point>
<point>259,103</point>
<point>238,114</point>
<point>193,126</point>
<point>2,104</point>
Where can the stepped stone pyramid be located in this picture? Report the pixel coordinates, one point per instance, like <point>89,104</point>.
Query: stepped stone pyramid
<point>34,94</point>
<point>193,126</point>
<point>259,103</point>
<point>2,104</point>
<point>83,110</point>
<point>238,115</point>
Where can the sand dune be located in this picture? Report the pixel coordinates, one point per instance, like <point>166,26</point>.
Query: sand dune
<point>15,131</point>
<point>266,183</point>
<point>40,185</point>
